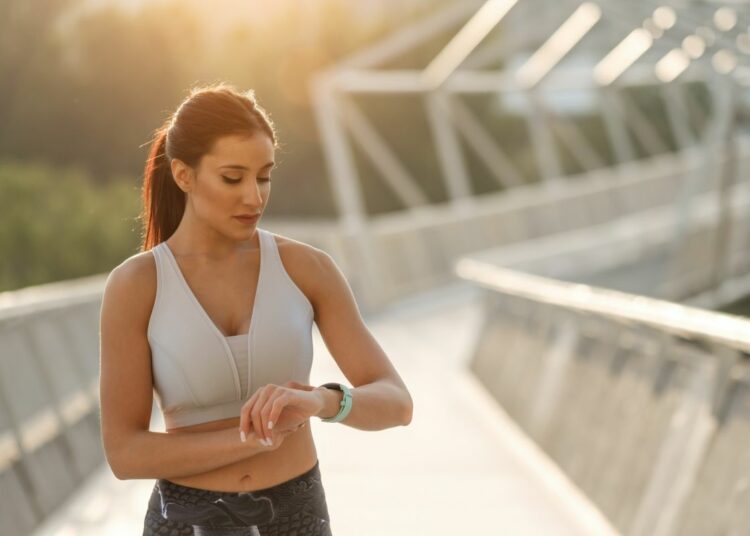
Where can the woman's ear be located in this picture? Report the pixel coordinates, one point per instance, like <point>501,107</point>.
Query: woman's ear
<point>183,174</point>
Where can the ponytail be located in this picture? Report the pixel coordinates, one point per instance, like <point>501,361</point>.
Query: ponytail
<point>163,201</point>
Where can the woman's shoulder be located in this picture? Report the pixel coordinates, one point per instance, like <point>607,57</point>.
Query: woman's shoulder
<point>298,253</point>
<point>133,282</point>
<point>305,263</point>
<point>136,269</point>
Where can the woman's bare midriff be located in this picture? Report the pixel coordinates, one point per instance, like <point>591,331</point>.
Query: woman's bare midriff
<point>293,457</point>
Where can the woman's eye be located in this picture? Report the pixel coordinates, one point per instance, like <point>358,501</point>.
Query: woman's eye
<point>232,180</point>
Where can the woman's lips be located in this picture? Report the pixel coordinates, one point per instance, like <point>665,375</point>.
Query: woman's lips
<point>246,219</point>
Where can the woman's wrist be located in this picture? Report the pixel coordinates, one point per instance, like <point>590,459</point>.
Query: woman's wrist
<point>331,399</point>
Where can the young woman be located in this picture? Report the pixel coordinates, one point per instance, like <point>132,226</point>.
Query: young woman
<point>214,315</point>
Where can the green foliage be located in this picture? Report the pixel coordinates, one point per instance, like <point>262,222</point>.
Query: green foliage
<point>58,224</point>
<point>82,89</point>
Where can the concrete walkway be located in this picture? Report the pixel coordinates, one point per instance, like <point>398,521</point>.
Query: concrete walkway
<point>461,467</point>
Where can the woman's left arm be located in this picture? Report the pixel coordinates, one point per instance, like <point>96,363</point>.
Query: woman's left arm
<point>380,398</point>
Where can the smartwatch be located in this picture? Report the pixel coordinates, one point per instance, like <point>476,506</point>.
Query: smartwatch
<point>346,401</point>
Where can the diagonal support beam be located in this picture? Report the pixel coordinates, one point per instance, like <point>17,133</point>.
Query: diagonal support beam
<point>411,36</point>
<point>465,41</point>
<point>559,44</point>
<point>542,141</point>
<point>697,111</point>
<point>614,122</point>
<point>571,136</point>
<point>678,114</point>
<point>448,148</point>
<point>498,163</point>
<point>646,134</point>
<point>381,156</point>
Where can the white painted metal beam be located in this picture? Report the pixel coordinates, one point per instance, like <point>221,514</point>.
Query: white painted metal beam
<point>614,122</point>
<point>480,141</point>
<point>571,136</point>
<point>470,81</point>
<point>447,146</point>
<point>411,36</point>
<point>347,192</point>
<point>382,158</point>
<point>465,41</point>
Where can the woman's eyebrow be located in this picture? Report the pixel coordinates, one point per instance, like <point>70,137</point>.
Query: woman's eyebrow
<point>239,166</point>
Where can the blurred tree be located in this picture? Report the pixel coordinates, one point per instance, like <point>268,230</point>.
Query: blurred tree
<point>129,70</point>
<point>58,224</point>
<point>82,88</point>
<point>31,73</point>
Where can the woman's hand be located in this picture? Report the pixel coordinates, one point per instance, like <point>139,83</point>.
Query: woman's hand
<point>254,441</point>
<point>276,409</point>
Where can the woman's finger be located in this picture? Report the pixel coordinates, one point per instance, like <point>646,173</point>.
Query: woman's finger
<point>255,416</point>
<point>245,421</point>
<point>265,410</point>
<point>274,406</point>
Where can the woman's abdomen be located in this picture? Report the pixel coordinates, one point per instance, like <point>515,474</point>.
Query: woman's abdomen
<point>294,456</point>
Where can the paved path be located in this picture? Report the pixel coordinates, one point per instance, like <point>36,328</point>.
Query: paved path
<point>461,466</point>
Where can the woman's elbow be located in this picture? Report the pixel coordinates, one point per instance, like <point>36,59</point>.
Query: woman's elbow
<point>117,466</point>
<point>117,459</point>
<point>407,411</point>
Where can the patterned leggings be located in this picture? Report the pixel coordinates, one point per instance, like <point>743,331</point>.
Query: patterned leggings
<point>295,507</point>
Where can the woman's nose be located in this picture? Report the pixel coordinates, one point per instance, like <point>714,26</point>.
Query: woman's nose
<point>251,195</point>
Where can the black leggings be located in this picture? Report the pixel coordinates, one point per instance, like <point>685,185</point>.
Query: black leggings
<point>297,506</point>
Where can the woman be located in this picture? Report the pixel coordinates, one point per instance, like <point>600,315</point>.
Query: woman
<point>214,315</point>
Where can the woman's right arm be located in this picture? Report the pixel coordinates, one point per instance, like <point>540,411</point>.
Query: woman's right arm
<point>126,390</point>
<point>144,454</point>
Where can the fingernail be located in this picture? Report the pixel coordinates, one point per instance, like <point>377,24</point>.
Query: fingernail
<point>270,425</point>
<point>243,437</point>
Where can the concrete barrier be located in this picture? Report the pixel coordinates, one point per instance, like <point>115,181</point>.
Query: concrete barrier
<point>49,419</point>
<point>643,403</point>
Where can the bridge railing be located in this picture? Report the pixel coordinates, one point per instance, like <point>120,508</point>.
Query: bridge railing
<point>49,418</point>
<point>644,403</point>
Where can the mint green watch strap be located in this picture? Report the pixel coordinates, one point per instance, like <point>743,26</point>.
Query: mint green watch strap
<point>346,402</point>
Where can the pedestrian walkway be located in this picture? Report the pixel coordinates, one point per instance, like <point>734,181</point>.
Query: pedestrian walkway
<point>460,467</point>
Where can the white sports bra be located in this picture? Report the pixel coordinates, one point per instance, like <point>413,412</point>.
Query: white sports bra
<point>200,375</point>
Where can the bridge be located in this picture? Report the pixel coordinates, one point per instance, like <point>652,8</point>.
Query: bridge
<point>561,334</point>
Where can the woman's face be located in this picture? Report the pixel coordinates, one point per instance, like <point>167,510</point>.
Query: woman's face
<point>233,179</point>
